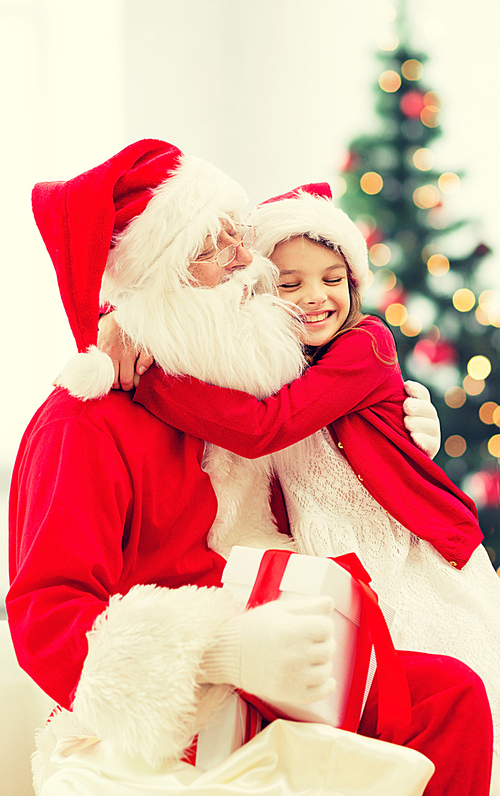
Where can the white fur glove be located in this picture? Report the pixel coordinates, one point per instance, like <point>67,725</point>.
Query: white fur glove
<point>421,418</point>
<point>281,651</point>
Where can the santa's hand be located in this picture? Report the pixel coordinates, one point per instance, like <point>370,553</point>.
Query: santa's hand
<point>421,418</point>
<point>128,364</point>
<point>281,651</point>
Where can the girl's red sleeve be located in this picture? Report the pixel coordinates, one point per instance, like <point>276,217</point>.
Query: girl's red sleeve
<point>356,372</point>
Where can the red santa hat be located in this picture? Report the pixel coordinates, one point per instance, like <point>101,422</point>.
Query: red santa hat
<point>139,217</point>
<point>310,210</point>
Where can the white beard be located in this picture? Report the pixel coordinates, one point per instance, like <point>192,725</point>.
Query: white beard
<point>236,335</point>
<point>233,335</point>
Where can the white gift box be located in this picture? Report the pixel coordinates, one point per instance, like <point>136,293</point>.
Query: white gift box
<point>224,734</point>
<point>304,576</point>
<point>311,576</point>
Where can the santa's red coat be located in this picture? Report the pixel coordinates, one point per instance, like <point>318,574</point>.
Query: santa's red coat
<point>104,496</point>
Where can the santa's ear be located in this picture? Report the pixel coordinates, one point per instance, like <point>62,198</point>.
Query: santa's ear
<point>89,375</point>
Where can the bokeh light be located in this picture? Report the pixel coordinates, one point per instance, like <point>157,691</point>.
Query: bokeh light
<point>438,218</point>
<point>433,99</point>
<point>371,182</point>
<point>494,445</point>
<point>388,41</point>
<point>455,397</point>
<point>412,69</point>
<point>496,416</point>
<point>482,317</point>
<point>411,326</point>
<point>438,265</point>
<point>379,254</point>
<point>455,446</point>
<point>389,81</point>
<point>339,186</point>
<point>449,182</point>
<point>463,299</point>
<point>489,308</point>
<point>486,412</point>
<point>396,314</point>
<point>479,367</point>
<point>426,196</point>
<point>430,116</point>
<point>423,159</point>
<point>473,386</point>
<point>388,11</point>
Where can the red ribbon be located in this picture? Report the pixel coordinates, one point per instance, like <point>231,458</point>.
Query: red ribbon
<point>394,703</point>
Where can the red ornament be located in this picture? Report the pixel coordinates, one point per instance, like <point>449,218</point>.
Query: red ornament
<point>373,237</point>
<point>436,352</point>
<point>351,162</point>
<point>412,104</point>
<point>484,488</point>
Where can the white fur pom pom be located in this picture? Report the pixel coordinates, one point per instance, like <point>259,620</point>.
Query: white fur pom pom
<point>87,376</point>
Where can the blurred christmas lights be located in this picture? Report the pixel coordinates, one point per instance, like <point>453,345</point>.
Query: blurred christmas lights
<point>494,445</point>
<point>430,116</point>
<point>389,81</point>
<point>396,314</point>
<point>455,397</point>
<point>371,183</point>
<point>423,159</point>
<point>388,41</point>
<point>473,386</point>
<point>412,326</point>
<point>438,265</point>
<point>449,183</point>
<point>426,196</point>
<point>486,412</point>
<point>339,187</point>
<point>412,69</point>
<point>463,299</point>
<point>455,446</point>
<point>479,367</point>
<point>379,254</point>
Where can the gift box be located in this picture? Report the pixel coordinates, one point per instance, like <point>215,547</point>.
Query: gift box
<point>354,662</point>
<point>225,733</point>
<point>256,576</point>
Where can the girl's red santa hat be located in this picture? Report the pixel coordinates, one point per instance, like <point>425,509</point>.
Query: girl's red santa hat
<point>310,210</point>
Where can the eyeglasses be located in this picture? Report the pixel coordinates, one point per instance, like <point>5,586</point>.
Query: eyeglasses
<point>225,256</point>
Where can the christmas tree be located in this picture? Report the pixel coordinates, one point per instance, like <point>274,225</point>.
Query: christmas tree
<point>447,327</point>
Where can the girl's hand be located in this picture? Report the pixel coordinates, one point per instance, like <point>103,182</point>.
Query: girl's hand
<point>421,418</point>
<point>128,362</point>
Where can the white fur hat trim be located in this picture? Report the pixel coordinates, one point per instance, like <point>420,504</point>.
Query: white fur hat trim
<point>319,219</point>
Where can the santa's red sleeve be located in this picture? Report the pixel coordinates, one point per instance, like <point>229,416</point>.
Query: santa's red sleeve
<point>126,664</point>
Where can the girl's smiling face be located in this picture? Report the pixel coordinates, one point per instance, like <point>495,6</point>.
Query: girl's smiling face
<point>314,278</point>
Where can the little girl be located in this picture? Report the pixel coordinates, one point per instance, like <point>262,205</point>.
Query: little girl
<point>355,482</point>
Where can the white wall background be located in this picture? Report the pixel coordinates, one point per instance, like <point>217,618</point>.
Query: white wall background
<point>270,90</point>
